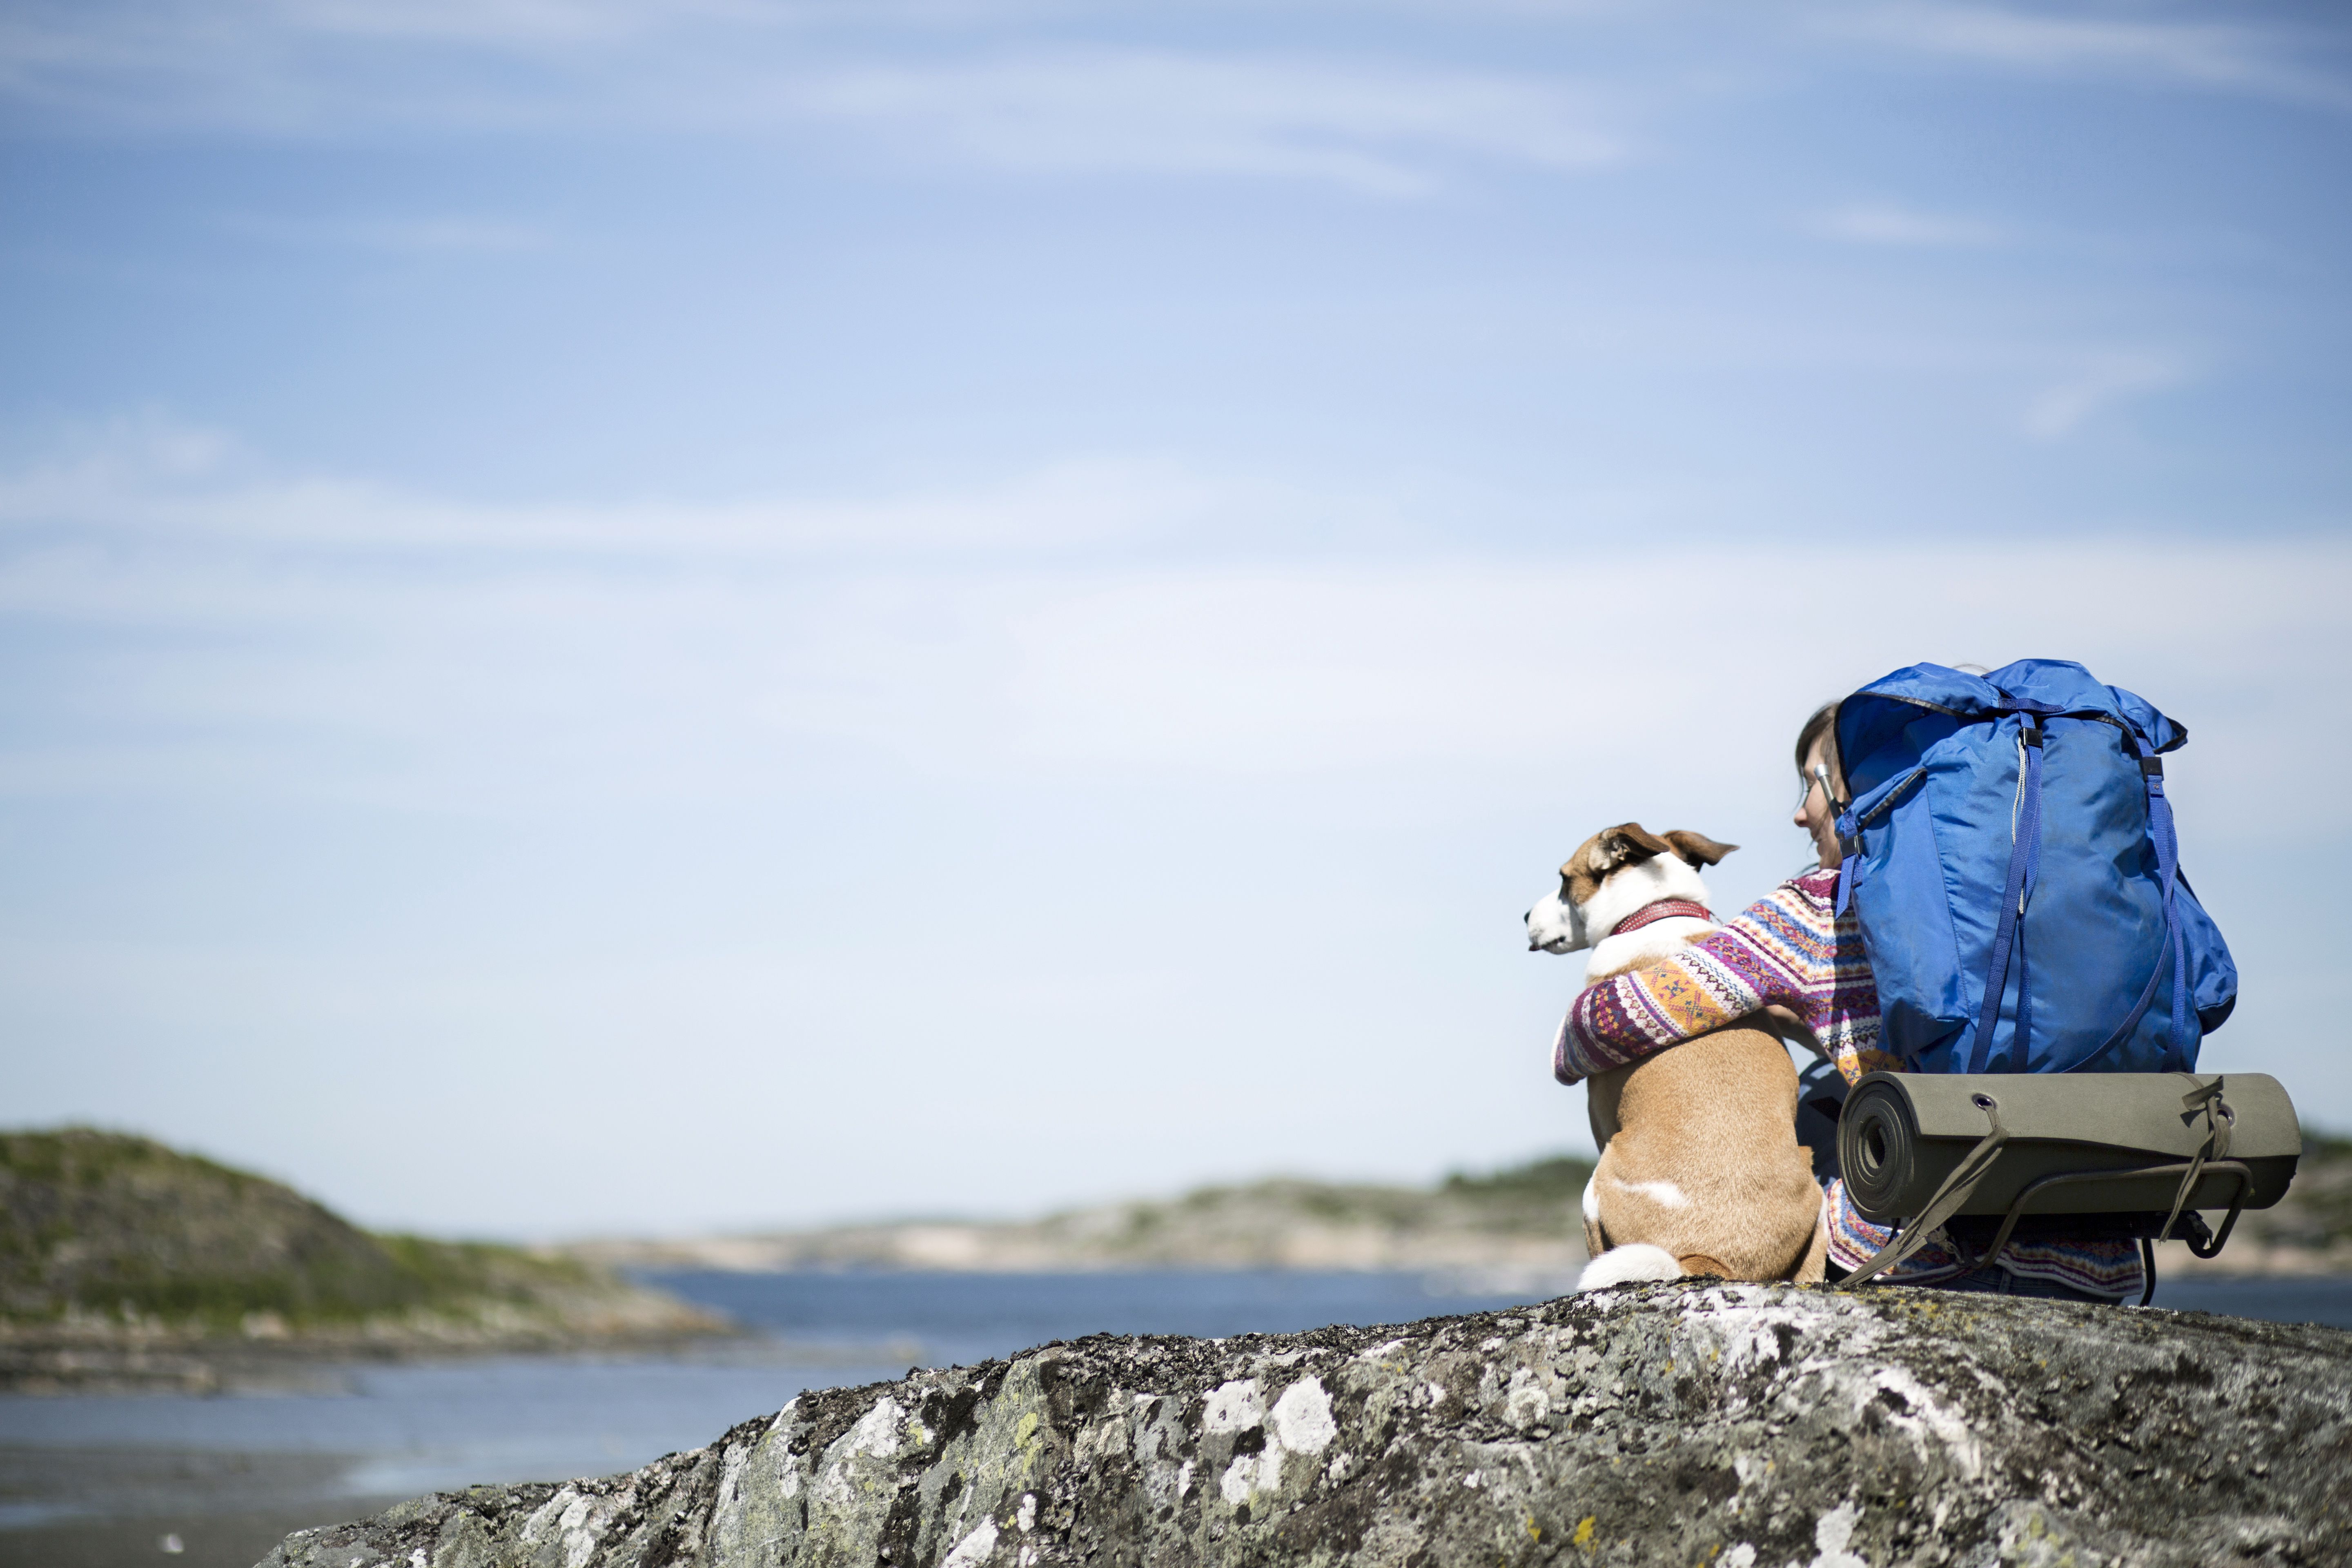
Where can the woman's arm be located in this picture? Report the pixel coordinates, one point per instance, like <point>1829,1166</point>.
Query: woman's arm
<point>1788,950</point>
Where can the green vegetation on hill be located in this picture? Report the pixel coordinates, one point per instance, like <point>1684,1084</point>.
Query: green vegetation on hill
<point>2315,1215</point>
<point>1513,1198</point>
<point>1537,1199</point>
<point>1538,1183</point>
<point>101,1225</point>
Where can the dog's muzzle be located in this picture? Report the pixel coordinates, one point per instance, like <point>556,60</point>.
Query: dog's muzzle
<point>1552,927</point>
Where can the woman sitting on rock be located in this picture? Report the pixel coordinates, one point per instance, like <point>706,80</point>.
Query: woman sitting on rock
<point>1792,956</point>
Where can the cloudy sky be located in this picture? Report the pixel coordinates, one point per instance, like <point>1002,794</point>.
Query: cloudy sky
<point>667,613</point>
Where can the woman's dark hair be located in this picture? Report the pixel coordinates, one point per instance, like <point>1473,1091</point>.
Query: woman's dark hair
<point>1823,727</point>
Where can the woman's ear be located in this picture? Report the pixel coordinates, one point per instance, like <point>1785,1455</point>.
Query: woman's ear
<point>1697,848</point>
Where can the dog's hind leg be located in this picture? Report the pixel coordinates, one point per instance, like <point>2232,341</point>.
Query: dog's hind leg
<point>1595,1241</point>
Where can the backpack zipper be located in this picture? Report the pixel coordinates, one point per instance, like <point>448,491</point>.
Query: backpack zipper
<point>1892,796</point>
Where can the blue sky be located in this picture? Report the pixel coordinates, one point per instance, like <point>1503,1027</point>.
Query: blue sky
<point>661,615</point>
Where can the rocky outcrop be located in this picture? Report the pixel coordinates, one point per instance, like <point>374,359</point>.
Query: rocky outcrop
<point>125,1265</point>
<point>1734,1425</point>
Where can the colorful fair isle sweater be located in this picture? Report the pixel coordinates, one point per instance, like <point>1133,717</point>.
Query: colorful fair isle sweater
<point>1792,949</point>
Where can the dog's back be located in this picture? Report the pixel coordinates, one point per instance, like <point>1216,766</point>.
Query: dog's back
<point>1702,1160</point>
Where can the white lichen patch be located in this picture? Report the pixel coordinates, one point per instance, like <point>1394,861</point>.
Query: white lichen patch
<point>877,1432</point>
<point>1234,1406</point>
<point>730,1475</point>
<point>573,1520</point>
<point>1251,1474</point>
<point>535,1527</point>
<point>854,1468</point>
<point>727,1517</point>
<point>1747,1335</point>
<point>1302,1417</point>
<point>973,1548</point>
<point>1926,1414</point>
<point>1832,1535</point>
<point>1525,1400</point>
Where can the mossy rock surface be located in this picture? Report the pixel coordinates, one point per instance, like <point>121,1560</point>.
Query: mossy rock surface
<point>1737,1427</point>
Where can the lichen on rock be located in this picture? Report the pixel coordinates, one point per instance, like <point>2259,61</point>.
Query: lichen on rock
<point>1748,1426</point>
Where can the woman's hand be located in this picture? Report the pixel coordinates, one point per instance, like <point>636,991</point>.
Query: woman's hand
<point>1784,1023</point>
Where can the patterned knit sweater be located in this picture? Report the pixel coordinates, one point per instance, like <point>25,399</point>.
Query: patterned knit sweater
<point>1790,949</point>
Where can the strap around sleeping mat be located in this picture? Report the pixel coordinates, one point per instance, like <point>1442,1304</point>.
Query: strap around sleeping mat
<point>1947,1199</point>
<point>2208,1099</point>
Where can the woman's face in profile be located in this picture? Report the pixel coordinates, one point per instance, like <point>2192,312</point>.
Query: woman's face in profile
<point>1815,815</point>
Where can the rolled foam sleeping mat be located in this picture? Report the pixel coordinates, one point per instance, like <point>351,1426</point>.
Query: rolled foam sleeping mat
<point>1902,1133</point>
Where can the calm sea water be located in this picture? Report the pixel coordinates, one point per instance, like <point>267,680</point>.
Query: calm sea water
<point>383,1431</point>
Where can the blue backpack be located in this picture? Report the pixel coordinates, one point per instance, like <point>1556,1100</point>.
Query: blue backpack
<point>2009,852</point>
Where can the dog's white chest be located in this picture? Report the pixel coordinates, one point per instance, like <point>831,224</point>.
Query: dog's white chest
<point>1654,940</point>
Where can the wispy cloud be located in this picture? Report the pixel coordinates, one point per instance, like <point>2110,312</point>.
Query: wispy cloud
<point>449,234</point>
<point>371,643</point>
<point>1035,87</point>
<point>1379,128</point>
<point>310,68</point>
<point>2066,405</point>
<point>1883,224</point>
<point>2182,49</point>
<point>529,23</point>
<point>166,482</point>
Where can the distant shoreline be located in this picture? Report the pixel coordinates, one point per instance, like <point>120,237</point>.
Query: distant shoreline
<point>99,1358</point>
<point>1521,1225</point>
<point>787,1252</point>
<point>1522,1219</point>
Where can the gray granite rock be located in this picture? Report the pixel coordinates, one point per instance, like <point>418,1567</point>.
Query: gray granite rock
<point>1732,1425</point>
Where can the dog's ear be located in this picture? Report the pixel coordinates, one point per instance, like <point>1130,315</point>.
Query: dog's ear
<point>1697,848</point>
<point>1625,844</point>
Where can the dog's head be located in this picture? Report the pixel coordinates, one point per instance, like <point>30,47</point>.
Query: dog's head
<point>1613,873</point>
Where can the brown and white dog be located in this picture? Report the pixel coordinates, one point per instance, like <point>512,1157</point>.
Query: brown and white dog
<point>1700,1169</point>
